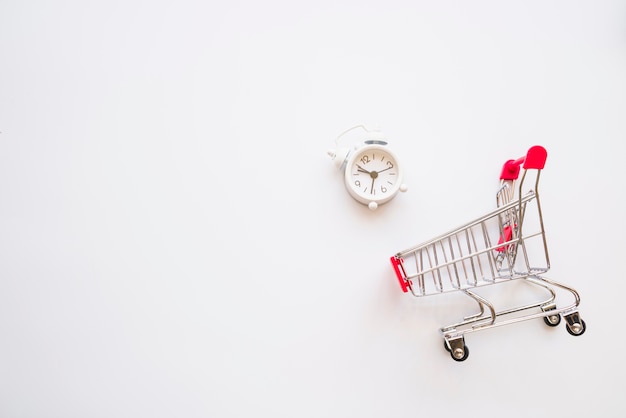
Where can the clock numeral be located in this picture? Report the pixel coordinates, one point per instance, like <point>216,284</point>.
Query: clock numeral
<point>357,183</point>
<point>383,189</point>
<point>389,164</point>
<point>365,159</point>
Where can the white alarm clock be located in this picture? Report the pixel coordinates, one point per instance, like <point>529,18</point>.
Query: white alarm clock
<point>373,174</point>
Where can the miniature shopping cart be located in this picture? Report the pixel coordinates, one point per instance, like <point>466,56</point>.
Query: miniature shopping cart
<point>504,245</point>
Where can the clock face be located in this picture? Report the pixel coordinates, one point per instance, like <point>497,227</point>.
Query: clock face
<point>373,175</point>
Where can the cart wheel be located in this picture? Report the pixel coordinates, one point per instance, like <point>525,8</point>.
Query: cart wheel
<point>577,329</point>
<point>552,320</point>
<point>460,354</point>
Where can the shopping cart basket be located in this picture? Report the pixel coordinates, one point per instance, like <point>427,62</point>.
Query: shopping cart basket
<point>506,244</point>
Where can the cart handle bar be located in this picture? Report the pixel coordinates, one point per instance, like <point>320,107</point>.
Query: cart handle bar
<point>535,158</point>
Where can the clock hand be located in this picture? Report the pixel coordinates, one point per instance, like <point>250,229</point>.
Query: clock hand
<point>388,168</point>
<point>373,179</point>
<point>362,170</point>
<point>373,174</point>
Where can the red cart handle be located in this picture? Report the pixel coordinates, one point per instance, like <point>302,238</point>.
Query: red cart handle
<point>535,158</point>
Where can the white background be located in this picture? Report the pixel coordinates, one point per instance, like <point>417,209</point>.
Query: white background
<point>174,240</point>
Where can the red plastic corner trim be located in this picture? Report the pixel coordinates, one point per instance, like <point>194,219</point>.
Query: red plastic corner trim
<point>510,170</point>
<point>507,234</point>
<point>536,158</point>
<point>396,262</point>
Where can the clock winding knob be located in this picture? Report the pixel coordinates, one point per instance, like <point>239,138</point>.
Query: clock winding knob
<point>339,156</point>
